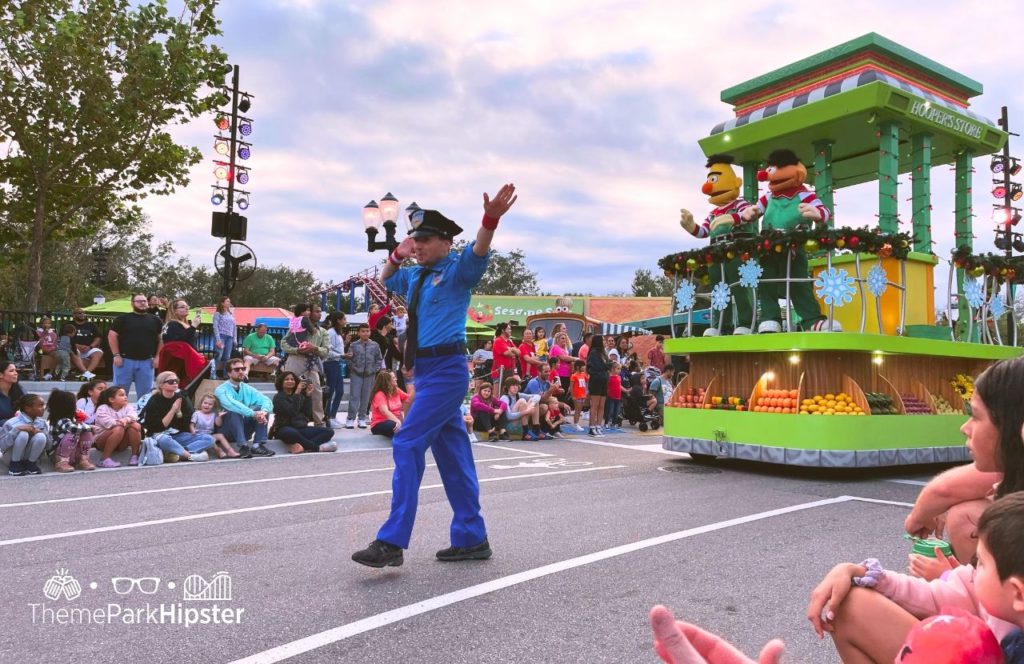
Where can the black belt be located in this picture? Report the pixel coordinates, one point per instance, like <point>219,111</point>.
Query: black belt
<point>456,348</point>
<point>729,237</point>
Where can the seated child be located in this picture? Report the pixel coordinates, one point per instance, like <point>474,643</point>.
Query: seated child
<point>73,435</point>
<point>489,413</point>
<point>555,417</point>
<point>206,420</point>
<point>523,413</point>
<point>48,339</point>
<point>65,349</point>
<point>27,434</point>
<point>117,426</point>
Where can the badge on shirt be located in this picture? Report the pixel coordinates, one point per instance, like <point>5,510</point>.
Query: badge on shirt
<point>436,280</point>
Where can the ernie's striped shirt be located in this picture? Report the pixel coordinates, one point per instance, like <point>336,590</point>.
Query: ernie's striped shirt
<point>804,194</point>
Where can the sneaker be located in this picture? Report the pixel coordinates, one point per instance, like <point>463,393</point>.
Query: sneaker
<point>48,376</point>
<point>337,424</point>
<point>329,446</point>
<point>529,435</point>
<point>473,438</point>
<point>598,432</point>
<point>481,551</point>
<point>362,424</point>
<point>199,456</point>
<point>134,461</point>
<point>88,375</point>
<point>17,469</point>
<point>110,463</point>
<point>244,452</point>
<point>545,436</point>
<point>504,436</point>
<point>379,554</point>
<point>350,424</point>
<point>493,438</point>
<point>592,432</point>
<point>262,451</point>
<point>32,468</point>
<point>558,434</point>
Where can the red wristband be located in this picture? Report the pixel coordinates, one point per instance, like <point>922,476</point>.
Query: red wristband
<point>490,223</point>
<point>394,260</point>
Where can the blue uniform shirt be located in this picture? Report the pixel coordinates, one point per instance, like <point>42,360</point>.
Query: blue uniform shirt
<point>444,299</point>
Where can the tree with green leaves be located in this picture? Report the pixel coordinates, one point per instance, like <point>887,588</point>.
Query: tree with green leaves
<point>646,284</point>
<point>507,274</point>
<point>88,91</point>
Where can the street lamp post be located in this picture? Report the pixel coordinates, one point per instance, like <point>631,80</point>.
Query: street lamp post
<point>385,213</point>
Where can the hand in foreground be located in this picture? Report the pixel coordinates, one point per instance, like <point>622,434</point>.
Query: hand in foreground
<point>677,642</point>
<point>503,200</point>
<point>919,527</point>
<point>930,569</point>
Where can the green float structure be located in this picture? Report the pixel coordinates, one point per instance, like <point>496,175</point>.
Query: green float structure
<point>866,110</point>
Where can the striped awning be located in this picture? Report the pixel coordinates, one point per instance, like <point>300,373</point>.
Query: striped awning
<point>616,329</point>
<point>836,87</point>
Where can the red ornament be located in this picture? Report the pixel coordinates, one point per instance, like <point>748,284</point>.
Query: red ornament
<point>853,242</point>
<point>709,259</point>
<point>745,256</point>
<point>767,245</point>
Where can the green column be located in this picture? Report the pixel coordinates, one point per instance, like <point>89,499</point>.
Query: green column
<point>888,174</point>
<point>823,176</point>
<point>921,174</point>
<point>964,226</point>
<point>750,181</point>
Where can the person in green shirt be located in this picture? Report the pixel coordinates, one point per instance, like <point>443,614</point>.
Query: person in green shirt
<point>259,347</point>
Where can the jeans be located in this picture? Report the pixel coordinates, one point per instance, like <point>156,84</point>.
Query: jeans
<point>311,438</point>
<point>335,386</point>
<point>139,372</point>
<point>612,408</point>
<point>238,429</point>
<point>222,355</point>
<point>359,398</point>
<point>183,440</point>
<point>28,447</point>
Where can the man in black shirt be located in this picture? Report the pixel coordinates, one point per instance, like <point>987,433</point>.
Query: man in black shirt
<point>87,342</point>
<point>135,342</point>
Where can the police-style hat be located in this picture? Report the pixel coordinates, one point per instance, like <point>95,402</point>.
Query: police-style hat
<point>431,222</point>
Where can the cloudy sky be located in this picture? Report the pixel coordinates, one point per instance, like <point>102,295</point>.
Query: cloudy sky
<point>593,108</point>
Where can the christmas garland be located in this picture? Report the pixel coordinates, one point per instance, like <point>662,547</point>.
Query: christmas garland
<point>1000,268</point>
<point>772,241</point>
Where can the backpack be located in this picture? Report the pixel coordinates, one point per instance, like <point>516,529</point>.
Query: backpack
<point>150,453</point>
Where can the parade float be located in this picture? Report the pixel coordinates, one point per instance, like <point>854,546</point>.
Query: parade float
<point>892,387</point>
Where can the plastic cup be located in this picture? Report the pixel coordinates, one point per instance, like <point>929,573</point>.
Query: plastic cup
<point>926,547</point>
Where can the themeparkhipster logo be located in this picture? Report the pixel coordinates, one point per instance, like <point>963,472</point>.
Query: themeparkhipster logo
<point>140,601</point>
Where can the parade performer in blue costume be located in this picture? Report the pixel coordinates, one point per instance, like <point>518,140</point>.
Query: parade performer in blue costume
<point>438,292</point>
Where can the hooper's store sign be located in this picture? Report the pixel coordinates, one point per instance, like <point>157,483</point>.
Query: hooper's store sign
<point>940,117</point>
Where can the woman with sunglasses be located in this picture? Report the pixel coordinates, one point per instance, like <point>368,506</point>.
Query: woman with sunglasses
<point>168,416</point>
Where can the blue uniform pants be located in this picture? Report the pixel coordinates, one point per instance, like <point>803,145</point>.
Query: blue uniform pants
<point>435,422</point>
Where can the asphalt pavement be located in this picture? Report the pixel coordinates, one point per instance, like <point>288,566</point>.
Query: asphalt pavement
<point>248,561</point>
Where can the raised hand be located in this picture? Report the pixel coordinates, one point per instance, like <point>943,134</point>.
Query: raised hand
<point>503,200</point>
<point>687,222</point>
<point>405,248</point>
<point>750,213</point>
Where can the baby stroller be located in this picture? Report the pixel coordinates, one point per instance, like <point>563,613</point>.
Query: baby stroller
<point>635,410</point>
<point>24,346</point>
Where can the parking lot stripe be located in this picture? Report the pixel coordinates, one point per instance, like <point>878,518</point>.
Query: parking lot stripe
<point>370,623</point>
<point>263,508</point>
<point>234,483</point>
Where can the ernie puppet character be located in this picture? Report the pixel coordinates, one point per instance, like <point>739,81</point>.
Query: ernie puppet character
<point>788,205</point>
<point>722,224</point>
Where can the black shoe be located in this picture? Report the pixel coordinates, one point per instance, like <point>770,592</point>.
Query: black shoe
<point>379,554</point>
<point>504,436</point>
<point>261,451</point>
<point>493,438</point>
<point>244,452</point>
<point>481,551</point>
<point>31,468</point>
<point>17,468</point>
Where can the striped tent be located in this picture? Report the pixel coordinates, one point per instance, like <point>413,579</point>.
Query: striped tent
<point>616,329</point>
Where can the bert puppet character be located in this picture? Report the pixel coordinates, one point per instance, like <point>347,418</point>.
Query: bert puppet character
<point>724,223</point>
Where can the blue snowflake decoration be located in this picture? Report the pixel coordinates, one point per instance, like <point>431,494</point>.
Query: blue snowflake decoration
<point>750,273</point>
<point>878,281</point>
<point>835,287</point>
<point>997,307</point>
<point>720,296</point>
<point>686,296</point>
<point>972,291</point>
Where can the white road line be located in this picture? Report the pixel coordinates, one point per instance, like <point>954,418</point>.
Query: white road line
<point>342,632</point>
<point>879,501</point>
<point>512,449</point>
<point>211,485</point>
<point>656,448</point>
<point>911,482</point>
<point>263,508</point>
